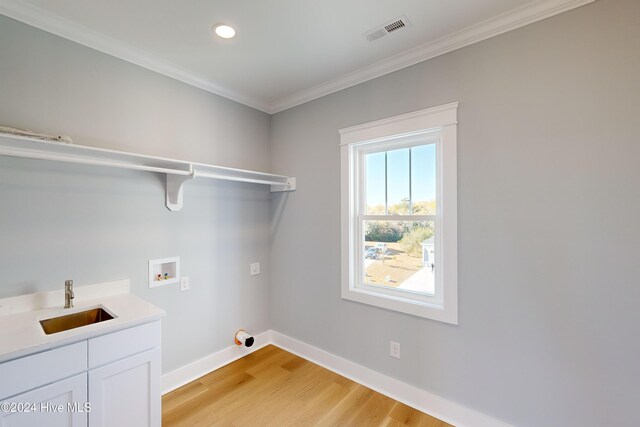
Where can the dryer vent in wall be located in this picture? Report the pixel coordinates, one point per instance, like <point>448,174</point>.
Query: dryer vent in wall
<point>244,339</point>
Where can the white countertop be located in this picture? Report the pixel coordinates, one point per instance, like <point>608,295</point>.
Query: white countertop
<point>21,333</point>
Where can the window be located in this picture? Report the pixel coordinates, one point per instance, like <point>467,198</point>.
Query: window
<point>399,214</point>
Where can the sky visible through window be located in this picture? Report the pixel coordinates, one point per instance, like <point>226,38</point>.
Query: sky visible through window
<point>419,163</point>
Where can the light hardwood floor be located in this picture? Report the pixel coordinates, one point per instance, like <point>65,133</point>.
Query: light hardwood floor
<point>276,388</point>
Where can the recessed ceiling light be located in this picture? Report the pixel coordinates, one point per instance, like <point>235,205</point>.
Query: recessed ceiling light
<point>224,31</point>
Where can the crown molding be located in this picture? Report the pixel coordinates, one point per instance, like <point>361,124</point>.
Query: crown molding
<point>497,25</point>
<point>500,24</point>
<point>51,23</point>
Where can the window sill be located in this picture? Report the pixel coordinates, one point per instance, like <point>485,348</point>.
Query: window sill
<point>421,309</point>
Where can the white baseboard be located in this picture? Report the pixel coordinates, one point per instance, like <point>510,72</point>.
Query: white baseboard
<point>422,400</point>
<point>184,375</point>
<point>429,403</point>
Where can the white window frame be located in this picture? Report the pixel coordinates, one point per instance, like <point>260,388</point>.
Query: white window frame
<point>393,133</point>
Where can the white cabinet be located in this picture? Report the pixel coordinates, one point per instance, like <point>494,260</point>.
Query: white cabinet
<point>50,406</point>
<point>118,374</point>
<point>126,393</point>
<point>124,378</point>
<point>29,372</point>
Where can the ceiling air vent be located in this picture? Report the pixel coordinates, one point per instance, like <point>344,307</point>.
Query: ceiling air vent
<point>388,28</point>
<point>395,26</point>
<point>375,35</point>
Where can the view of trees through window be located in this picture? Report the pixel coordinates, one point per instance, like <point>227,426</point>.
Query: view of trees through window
<point>400,254</point>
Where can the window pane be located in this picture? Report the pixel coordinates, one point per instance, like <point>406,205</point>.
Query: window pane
<point>401,182</point>
<point>423,179</point>
<point>400,254</point>
<point>398,187</point>
<point>375,183</point>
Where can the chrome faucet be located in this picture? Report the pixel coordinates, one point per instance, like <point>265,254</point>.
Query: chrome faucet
<point>68,294</point>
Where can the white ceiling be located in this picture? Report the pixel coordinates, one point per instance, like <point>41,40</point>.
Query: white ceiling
<point>286,52</point>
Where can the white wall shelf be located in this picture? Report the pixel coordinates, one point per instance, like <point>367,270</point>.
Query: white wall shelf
<point>177,171</point>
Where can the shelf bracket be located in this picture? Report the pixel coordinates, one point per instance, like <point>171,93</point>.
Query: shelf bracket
<point>174,190</point>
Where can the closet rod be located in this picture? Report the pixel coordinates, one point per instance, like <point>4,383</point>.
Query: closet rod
<point>197,174</point>
<point>236,170</point>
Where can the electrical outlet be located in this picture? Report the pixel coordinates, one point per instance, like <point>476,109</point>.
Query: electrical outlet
<point>184,283</point>
<point>394,350</point>
<point>254,269</point>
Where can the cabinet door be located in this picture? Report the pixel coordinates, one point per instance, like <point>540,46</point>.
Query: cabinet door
<point>126,393</point>
<point>60,404</point>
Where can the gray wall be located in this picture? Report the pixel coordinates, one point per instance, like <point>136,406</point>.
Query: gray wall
<point>548,197</point>
<point>548,224</point>
<point>60,221</point>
